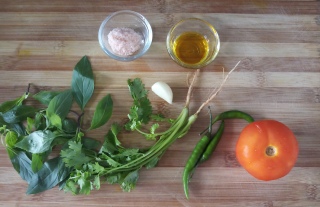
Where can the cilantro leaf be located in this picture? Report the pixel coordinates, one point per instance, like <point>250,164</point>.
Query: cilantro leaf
<point>160,117</point>
<point>111,143</point>
<point>130,180</point>
<point>152,163</point>
<point>137,89</point>
<point>74,156</point>
<point>141,110</point>
<point>114,178</point>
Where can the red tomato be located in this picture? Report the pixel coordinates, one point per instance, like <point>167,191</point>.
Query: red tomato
<point>267,149</point>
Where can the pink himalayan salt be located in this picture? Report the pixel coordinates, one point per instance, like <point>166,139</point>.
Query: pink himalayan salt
<point>124,41</point>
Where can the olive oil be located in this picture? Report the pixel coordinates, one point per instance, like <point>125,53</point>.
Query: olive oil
<point>191,48</point>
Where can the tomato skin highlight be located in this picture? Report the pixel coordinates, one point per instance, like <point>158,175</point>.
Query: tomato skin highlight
<point>267,149</point>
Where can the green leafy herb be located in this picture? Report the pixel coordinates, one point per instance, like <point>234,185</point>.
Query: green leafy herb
<point>18,114</point>
<point>141,110</point>
<point>37,142</point>
<point>51,174</point>
<point>69,126</point>
<point>8,105</point>
<point>130,180</point>
<point>102,113</point>
<point>36,162</point>
<point>74,155</point>
<point>82,84</point>
<point>45,97</point>
<point>22,164</point>
<point>90,144</point>
<point>60,106</point>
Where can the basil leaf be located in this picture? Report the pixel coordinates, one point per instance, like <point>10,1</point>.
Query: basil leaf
<point>30,125</point>
<point>18,128</point>
<point>36,162</point>
<point>37,142</point>
<point>21,163</point>
<point>11,139</point>
<point>82,83</point>
<point>90,144</point>
<point>40,121</point>
<point>2,122</point>
<point>45,97</point>
<point>18,114</point>
<point>69,125</point>
<point>103,112</point>
<point>51,174</point>
<point>60,105</point>
<point>8,105</point>
<point>55,120</point>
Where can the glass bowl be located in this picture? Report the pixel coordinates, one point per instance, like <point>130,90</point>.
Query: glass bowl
<point>123,44</point>
<point>193,43</point>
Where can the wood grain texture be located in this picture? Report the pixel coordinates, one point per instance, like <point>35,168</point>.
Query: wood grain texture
<point>278,43</point>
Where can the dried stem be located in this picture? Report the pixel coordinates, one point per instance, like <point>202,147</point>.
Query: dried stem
<point>191,87</point>
<point>218,90</point>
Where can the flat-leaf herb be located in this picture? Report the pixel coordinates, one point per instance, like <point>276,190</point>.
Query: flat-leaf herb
<point>103,112</point>
<point>37,142</point>
<point>82,84</point>
<point>51,174</point>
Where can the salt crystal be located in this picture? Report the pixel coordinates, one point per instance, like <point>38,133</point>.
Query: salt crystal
<point>124,41</point>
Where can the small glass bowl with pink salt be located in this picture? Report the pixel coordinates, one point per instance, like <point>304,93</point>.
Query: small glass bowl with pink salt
<point>125,35</point>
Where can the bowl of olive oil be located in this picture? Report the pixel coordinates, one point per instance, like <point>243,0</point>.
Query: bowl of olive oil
<point>193,43</point>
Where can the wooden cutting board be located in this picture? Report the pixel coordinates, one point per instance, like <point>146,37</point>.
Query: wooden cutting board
<point>277,42</point>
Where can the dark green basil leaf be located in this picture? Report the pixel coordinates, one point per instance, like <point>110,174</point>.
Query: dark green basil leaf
<point>8,105</point>
<point>19,114</point>
<point>82,84</point>
<point>45,97</point>
<point>90,144</point>
<point>69,125</point>
<point>37,142</point>
<point>60,105</point>
<point>2,122</point>
<point>21,163</point>
<point>18,128</point>
<point>51,174</point>
<point>103,112</point>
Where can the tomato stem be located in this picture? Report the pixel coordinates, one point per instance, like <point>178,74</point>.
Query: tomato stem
<point>270,151</point>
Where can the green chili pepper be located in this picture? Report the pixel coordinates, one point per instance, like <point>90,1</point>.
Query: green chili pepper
<point>195,157</point>
<point>232,114</point>
<point>193,161</point>
<point>213,143</point>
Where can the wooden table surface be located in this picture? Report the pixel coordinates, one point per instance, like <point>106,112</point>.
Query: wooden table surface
<point>278,43</point>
